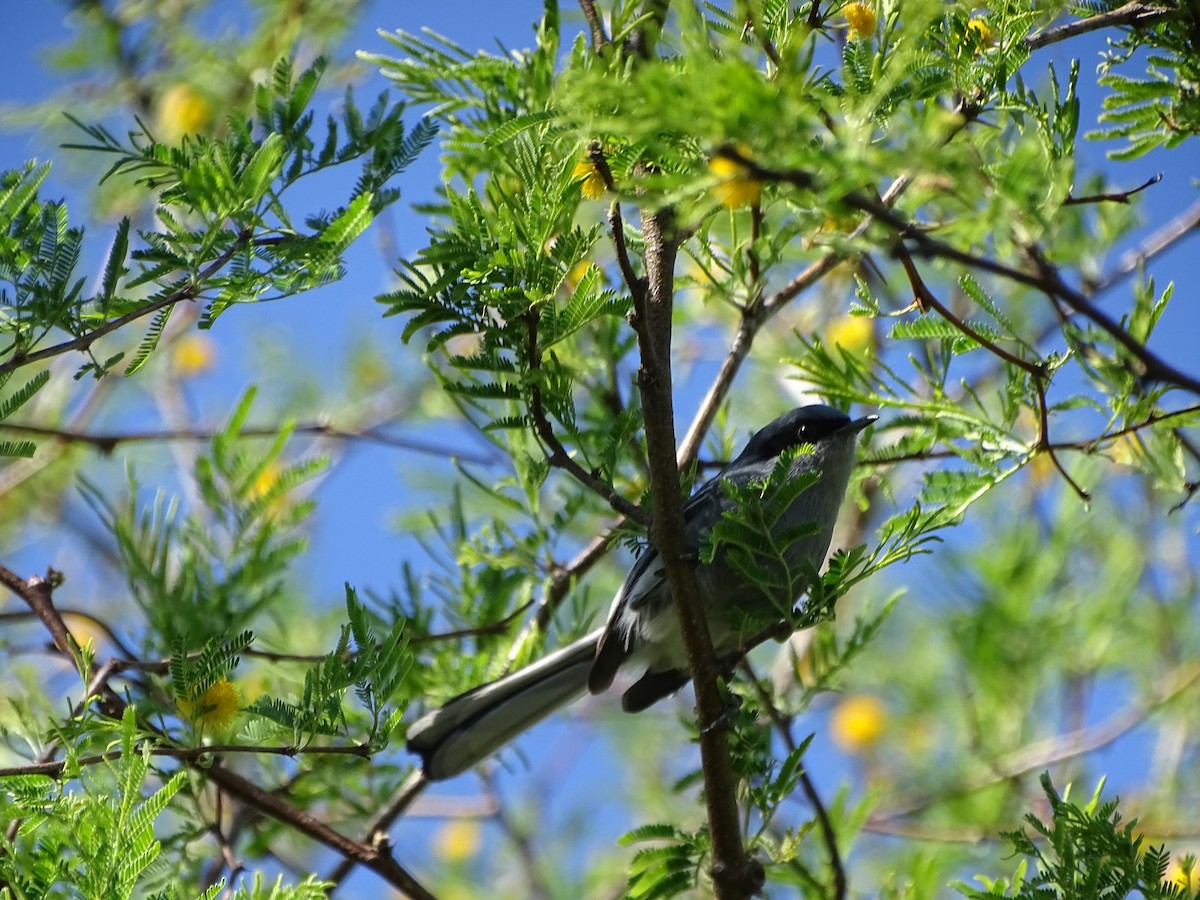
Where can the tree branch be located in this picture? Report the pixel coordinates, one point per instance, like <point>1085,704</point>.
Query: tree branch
<point>1136,14</point>
<point>84,341</point>
<point>735,874</point>
<point>107,442</point>
<point>556,453</point>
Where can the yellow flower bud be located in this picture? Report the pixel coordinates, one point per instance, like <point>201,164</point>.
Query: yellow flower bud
<point>862,19</point>
<point>978,30</point>
<point>457,840</point>
<point>734,187</point>
<point>182,110</point>
<point>216,708</point>
<point>592,187</point>
<point>852,333</point>
<point>193,354</point>
<point>858,722</point>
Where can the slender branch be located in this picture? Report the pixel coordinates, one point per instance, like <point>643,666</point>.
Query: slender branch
<point>814,15</point>
<point>783,724</point>
<point>599,38</point>
<point>556,453</point>
<point>55,768</point>
<point>1154,367</point>
<point>376,856</point>
<point>616,227</point>
<point>410,789</point>
<point>1136,13</point>
<point>754,317</point>
<point>84,341</point>
<point>926,299</point>
<point>107,442</point>
<point>1045,278</point>
<point>1040,754</point>
<point>1113,197</point>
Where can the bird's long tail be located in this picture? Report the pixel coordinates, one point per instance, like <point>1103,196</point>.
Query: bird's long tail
<point>473,726</point>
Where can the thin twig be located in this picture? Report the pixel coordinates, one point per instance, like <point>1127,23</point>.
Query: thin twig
<point>1045,278</point>
<point>84,341</point>
<point>375,856</point>
<point>1136,13</point>
<point>1040,754</point>
<point>107,442</point>
<point>1115,196</point>
<point>410,789</point>
<point>54,768</point>
<point>556,454</point>
<point>783,724</point>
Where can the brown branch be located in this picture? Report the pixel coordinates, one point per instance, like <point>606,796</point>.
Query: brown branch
<point>599,38</point>
<point>1083,445</point>
<point>556,453</point>
<point>1136,14</point>
<point>1060,748</point>
<point>734,873</point>
<point>38,593</point>
<point>814,15</point>
<point>783,724</point>
<point>616,227</point>
<point>754,317</point>
<point>375,856</point>
<point>925,298</point>
<point>55,768</point>
<point>401,800</point>
<point>107,442</point>
<point>1154,368</point>
<point>66,613</point>
<point>1045,279</point>
<point>84,341</point>
<point>1113,197</point>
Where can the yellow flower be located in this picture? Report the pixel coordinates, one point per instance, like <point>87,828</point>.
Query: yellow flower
<point>978,31</point>
<point>264,481</point>
<point>1175,875</point>
<point>576,272</point>
<point>593,182</point>
<point>1127,450</point>
<point>216,708</point>
<point>862,19</point>
<point>457,840</point>
<point>853,333</point>
<point>858,723</point>
<point>182,110</point>
<point>193,354</point>
<point>735,186</point>
<point>1041,470</point>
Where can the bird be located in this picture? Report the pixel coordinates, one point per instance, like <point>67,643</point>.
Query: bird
<point>641,635</point>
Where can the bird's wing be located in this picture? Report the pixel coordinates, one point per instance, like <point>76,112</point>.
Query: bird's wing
<point>642,589</point>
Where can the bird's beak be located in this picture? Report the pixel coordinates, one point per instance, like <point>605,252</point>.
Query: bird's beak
<point>858,425</point>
